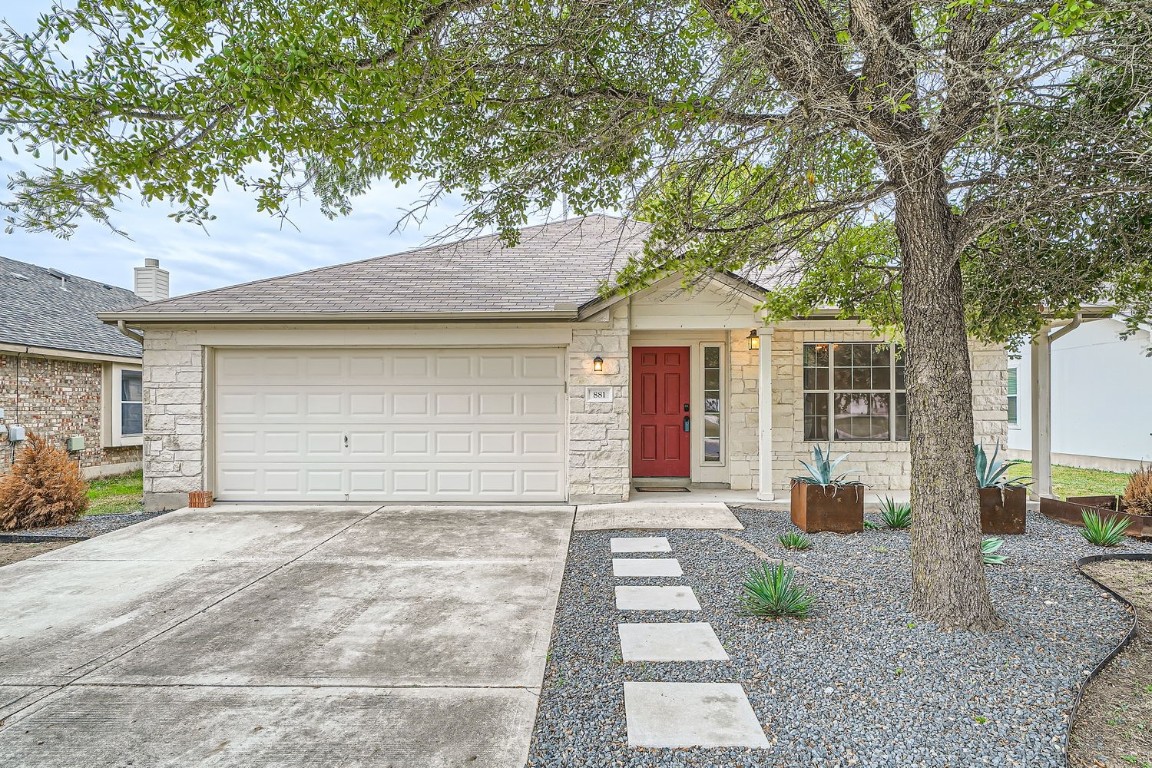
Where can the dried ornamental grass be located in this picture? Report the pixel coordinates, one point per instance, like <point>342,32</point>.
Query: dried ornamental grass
<point>44,488</point>
<point>1138,494</point>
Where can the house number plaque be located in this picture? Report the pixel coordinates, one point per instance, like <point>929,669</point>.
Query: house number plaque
<point>599,394</point>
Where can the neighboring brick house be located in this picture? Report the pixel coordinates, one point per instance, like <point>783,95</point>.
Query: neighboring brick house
<point>64,373</point>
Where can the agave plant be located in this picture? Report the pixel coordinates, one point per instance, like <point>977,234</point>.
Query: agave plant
<point>989,547</point>
<point>795,540</point>
<point>822,469</point>
<point>990,471</point>
<point>1104,531</point>
<point>772,591</point>
<point>895,514</point>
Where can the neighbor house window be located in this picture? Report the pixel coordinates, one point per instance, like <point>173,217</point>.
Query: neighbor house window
<point>131,403</point>
<point>854,391</point>
<point>712,403</point>
<point>1013,404</point>
<point>122,406</point>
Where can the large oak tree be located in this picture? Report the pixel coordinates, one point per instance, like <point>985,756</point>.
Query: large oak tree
<point>939,167</point>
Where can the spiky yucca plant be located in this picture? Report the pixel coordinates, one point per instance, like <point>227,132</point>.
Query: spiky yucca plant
<point>772,591</point>
<point>44,488</point>
<point>895,514</point>
<point>988,549</point>
<point>1104,531</point>
<point>795,540</point>
<point>1138,493</point>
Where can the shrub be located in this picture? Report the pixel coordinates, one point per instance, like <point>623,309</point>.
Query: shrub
<point>44,488</point>
<point>988,549</point>
<point>795,540</point>
<point>1138,494</point>
<point>895,514</point>
<point>772,591</point>
<point>1104,532</point>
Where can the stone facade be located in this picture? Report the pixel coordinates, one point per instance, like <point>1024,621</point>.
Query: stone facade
<point>57,399</point>
<point>882,466</point>
<point>599,434</point>
<point>743,413</point>
<point>174,422</point>
<point>599,444</point>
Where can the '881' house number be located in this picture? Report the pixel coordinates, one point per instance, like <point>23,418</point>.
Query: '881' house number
<point>599,395</point>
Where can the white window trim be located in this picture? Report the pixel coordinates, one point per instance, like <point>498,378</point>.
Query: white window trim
<point>725,373</point>
<point>112,435</point>
<point>831,393</point>
<point>1013,424</point>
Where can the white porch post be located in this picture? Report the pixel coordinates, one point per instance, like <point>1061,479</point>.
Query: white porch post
<point>765,416</point>
<point>1042,404</point>
<point>1041,414</point>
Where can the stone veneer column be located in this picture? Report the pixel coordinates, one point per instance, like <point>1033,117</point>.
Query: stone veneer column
<point>764,409</point>
<point>173,418</point>
<point>599,443</point>
<point>743,416</point>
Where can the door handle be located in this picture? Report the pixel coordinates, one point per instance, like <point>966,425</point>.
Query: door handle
<point>687,424</point>
<point>345,441</point>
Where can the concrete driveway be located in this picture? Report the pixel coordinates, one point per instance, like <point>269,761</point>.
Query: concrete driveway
<point>284,636</point>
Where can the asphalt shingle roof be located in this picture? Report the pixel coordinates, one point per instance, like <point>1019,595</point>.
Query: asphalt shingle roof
<point>47,308</point>
<point>553,264</point>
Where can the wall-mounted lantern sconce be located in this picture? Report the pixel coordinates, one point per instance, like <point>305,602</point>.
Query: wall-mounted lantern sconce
<point>598,364</point>
<point>753,340</point>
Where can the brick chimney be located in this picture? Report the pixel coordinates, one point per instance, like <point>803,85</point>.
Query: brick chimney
<point>151,282</point>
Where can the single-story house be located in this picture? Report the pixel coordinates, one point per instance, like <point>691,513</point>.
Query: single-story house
<point>474,372</point>
<point>1101,411</point>
<point>66,375</point>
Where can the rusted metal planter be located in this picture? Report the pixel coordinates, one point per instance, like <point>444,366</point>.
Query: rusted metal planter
<point>1072,511</point>
<point>1003,511</point>
<point>836,508</point>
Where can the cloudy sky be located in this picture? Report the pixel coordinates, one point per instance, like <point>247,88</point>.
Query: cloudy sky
<point>240,245</point>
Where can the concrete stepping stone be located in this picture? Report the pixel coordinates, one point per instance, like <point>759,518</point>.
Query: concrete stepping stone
<point>641,544</point>
<point>694,641</point>
<point>650,567</point>
<point>677,715</point>
<point>656,599</point>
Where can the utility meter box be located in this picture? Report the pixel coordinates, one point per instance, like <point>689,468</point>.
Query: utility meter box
<point>16,433</point>
<point>74,444</point>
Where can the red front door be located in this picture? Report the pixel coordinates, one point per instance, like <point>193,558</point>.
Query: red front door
<point>660,397</point>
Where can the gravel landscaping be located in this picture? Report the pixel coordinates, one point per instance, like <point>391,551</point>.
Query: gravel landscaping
<point>862,682</point>
<point>84,528</point>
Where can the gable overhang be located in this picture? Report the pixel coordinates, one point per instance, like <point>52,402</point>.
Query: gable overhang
<point>740,289</point>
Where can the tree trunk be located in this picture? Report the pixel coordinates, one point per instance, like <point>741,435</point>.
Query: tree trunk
<point>948,581</point>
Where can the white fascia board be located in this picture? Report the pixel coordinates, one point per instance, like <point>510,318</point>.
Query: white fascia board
<point>67,354</point>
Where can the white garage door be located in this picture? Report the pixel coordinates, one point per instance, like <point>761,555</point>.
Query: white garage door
<point>390,425</point>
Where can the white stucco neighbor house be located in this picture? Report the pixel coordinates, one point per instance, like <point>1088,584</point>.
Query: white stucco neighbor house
<point>473,372</point>
<point>1101,398</point>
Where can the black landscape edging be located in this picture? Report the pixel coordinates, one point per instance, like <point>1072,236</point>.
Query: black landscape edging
<point>36,538</point>
<point>1134,556</point>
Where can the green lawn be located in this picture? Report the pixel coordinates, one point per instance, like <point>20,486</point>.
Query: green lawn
<point>116,495</point>
<point>1074,481</point>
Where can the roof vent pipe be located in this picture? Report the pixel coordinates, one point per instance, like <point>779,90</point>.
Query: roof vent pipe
<point>151,283</point>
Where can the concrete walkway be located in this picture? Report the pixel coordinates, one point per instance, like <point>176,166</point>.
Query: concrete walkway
<point>675,715</point>
<point>274,636</point>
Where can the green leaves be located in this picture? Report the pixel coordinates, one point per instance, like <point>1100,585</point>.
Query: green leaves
<point>1103,531</point>
<point>772,591</point>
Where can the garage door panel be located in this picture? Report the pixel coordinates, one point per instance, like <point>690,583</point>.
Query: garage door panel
<point>404,425</point>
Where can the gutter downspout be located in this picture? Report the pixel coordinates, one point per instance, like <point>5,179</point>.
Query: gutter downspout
<point>134,335</point>
<point>1042,404</point>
